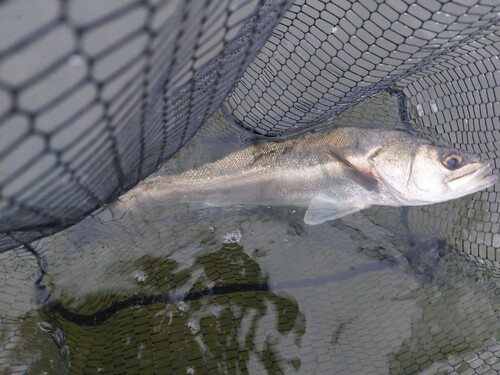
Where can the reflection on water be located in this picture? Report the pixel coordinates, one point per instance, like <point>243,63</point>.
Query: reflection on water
<point>28,343</point>
<point>251,292</point>
<point>228,321</point>
<point>247,292</point>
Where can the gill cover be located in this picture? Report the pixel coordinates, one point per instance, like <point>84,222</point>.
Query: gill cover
<point>323,208</point>
<point>394,166</point>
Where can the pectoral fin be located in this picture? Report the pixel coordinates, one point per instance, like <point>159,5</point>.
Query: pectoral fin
<point>322,209</point>
<point>359,177</point>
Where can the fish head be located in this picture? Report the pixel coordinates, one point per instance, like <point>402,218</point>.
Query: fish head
<point>419,172</point>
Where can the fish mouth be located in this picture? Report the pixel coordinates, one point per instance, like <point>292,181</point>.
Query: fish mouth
<point>475,180</point>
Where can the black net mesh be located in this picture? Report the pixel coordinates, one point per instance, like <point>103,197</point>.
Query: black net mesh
<point>439,58</point>
<point>246,292</point>
<point>95,96</point>
<point>327,56</point>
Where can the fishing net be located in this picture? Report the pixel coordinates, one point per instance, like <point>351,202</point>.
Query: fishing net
<point>95,96</point>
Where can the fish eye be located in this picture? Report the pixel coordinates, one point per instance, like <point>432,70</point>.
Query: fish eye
<point>452,161</point>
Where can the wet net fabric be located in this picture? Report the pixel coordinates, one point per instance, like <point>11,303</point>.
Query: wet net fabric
<point>95,96</point>
<point>250,291</point>
<point>440,59</point>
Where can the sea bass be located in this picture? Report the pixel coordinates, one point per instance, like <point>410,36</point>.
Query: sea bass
<point>332,174</point>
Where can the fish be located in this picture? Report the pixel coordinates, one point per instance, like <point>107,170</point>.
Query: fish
<point>332,174</point>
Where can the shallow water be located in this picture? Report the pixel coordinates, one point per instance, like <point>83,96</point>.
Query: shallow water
<point>246,290</point>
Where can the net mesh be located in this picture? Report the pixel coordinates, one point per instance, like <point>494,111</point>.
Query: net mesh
<point>95,96</point>
<point>440,57</point>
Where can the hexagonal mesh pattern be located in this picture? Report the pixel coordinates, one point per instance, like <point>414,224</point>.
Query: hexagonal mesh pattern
<point>326,56</point>
<point>94,96</point>
<point>440,58</point>
<point>245,292</point>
